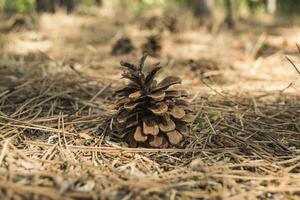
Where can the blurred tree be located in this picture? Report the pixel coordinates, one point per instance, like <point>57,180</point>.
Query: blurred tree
<point>50,5</point>
<point>68,4</point>
<point>202,7</point>
<point>98,2</point>
<point>229,19</point>
<point>45,6</point>
<point>253,5</point>
<point>61,2</point>
<point>288,8</point>
<point>17,5</point>
<point>271,6</point>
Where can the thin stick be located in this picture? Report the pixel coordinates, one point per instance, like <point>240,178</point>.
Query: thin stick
<point>131,150</point>
<point>4,150</point>
<point>293,64</point>
<point>298,47</point>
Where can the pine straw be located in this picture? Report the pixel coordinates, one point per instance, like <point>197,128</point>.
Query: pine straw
<point>52,146</point>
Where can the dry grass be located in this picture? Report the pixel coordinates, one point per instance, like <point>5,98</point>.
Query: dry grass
<point>243,144</point>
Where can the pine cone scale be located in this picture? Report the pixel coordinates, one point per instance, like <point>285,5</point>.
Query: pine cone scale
<point>139,136</point>
<point>174,137</point>
<point>135,95</point>
<point>131,105</point>
<point>167,125</point>
<point>157,96</point>
<point>182,128</point>
<point>188,118</point>
<point>159,109</point>
<point>167,82</point>
<point>176,112</point>
<point>157,141</point>
<point>150,127</point>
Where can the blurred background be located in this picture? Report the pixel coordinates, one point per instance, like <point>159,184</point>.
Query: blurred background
<point>227,43</point>
<point>239,9</point>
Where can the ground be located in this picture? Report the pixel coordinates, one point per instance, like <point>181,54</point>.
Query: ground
<point>57,83</point>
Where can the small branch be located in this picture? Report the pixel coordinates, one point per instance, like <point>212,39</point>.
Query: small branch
<point>293,63</point>
<point>298,47</point>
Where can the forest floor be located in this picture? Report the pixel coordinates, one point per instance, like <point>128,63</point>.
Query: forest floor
<point>57,78</point>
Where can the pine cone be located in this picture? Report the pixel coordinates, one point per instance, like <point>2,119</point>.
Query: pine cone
<point>171,23</point>
<point>122,46</point>
<point>153,45</point>
<point>149,113</point>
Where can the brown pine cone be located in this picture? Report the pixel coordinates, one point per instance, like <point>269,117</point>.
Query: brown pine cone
<point>149,113</point>
<point>153,45</point>
<point>122,46</point>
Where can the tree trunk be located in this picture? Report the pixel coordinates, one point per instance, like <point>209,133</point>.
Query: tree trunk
<point>229,20</point>
<point>68,4</point>
<point>51,6</point>
<point>251,6</point>
<point>98,2</point>
<point>271,6</point>
<point>45,6</point>
<point>39,6</point>
<point>202,7</point>
<point>61,3</point>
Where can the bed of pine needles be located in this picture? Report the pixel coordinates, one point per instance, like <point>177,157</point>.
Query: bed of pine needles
<point>53,146</point>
